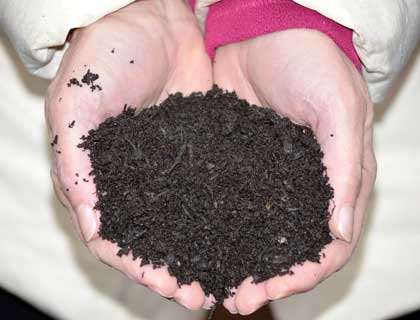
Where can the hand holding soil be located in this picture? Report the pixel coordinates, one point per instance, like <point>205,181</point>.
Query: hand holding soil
<point>142,53</point>
<point>304,76</point>
<point>136,56</point>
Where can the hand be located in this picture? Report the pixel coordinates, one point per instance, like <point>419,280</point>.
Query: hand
<point>303,75</point>
<point>141,53</point>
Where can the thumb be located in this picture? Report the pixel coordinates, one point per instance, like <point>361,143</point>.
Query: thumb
<point>342,144</point>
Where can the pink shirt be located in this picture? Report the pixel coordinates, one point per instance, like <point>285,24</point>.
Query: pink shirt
<point>231,21</point>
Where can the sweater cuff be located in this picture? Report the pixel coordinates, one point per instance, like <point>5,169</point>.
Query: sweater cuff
<point>230,21</point>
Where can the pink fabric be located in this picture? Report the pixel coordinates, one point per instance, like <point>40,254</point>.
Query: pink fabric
<point>231,21</point>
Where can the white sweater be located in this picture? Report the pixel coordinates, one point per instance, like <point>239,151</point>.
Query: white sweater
<point>385,31</point>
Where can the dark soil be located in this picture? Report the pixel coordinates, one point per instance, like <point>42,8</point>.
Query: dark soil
<point>55,141</point>
<point>74,82</point>
<point>214,188</point>
<point>88,78</point>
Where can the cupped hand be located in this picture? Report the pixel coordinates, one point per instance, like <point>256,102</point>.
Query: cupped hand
<point>303,75</point>
<point>140,53</point>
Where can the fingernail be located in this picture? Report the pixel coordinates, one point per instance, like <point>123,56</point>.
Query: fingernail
<point>345,223</point>
<point>87,221</point>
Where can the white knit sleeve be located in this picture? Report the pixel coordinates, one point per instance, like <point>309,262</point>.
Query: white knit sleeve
<point>38,28</point>
<point>385,34</point>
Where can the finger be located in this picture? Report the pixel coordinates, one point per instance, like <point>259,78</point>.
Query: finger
<point>70,166</point>
<point>368,175</point>
<point>57,189</point>
<point>340,132</point>
<point>132,268</point>
<point>84,231</point>
<point>229,303</point>
<point>250,296</point>
<point>157,279</point>
<point>190,296</point>
<point>305,277</point>
<point>75,185</point>
<point>85,220</point>
<point>368,181</point>
<point>340,252</point>
<point>106,252</point>
<point>64,201</point>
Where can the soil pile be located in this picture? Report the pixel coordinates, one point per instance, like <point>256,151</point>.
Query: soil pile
<point>214,188</point>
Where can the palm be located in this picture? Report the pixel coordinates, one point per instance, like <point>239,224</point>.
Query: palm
<point>141,53</point>
<point>313,84</point>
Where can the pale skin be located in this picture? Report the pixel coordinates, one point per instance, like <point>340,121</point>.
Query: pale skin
<point>300,74</point>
